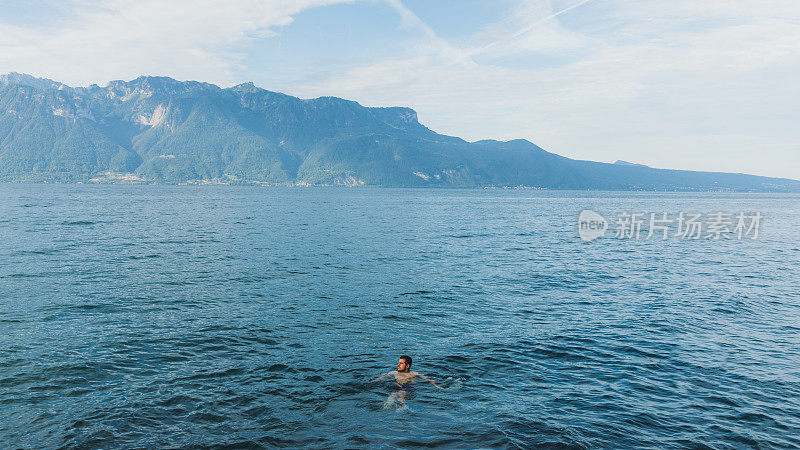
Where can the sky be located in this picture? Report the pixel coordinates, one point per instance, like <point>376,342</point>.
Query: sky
<point>683,84</point>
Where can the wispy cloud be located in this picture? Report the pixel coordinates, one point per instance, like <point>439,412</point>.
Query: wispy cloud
<point>671,83</point>
<point>432,44</point>
<point>197,39</point>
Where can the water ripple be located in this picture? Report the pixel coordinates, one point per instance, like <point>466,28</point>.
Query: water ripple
<point>175,317</point>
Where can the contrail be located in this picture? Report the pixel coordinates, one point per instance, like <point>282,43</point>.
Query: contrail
<point>408,16</point>
<point>525,30</point>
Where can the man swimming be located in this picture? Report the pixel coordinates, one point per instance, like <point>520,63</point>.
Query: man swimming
<point>404,380</point>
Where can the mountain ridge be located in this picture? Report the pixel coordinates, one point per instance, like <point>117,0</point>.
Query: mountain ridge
<point>160,130</point>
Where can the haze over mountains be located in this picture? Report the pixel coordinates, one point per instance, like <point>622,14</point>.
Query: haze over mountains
<point>157,129</point>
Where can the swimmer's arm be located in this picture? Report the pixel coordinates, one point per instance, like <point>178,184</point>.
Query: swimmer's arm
<point>386,375</point>
<point>429,380</point>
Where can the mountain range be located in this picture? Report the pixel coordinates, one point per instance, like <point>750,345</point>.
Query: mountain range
<point>160,130</point>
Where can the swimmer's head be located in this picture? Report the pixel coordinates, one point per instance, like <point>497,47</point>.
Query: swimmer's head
<point>404,365</point>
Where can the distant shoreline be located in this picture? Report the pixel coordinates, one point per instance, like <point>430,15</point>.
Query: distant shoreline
<point>427,188</point>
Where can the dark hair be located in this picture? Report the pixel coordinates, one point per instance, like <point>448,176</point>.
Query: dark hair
<point>407,358</point>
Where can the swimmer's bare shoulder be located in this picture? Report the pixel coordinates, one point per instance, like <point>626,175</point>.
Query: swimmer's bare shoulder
<point>387,375</point>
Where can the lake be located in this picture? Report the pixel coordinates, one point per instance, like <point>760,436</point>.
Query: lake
<point>247,317</point>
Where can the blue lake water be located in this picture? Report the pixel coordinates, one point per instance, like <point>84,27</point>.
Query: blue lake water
<point>181,316</point>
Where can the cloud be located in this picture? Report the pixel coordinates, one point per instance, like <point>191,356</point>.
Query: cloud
<point>198,39</point>
<point>670,83</point>
<point>429,43</point>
